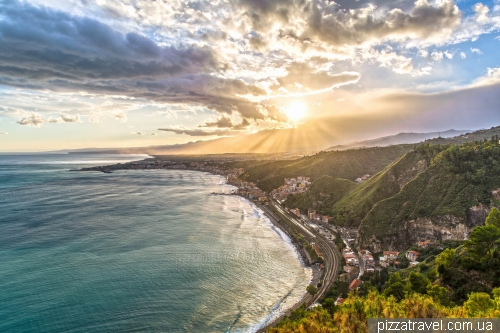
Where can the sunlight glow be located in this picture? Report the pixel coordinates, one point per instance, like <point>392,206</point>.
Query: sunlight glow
<point>296,111</point>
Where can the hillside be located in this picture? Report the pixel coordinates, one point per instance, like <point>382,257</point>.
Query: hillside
<point>353,208</point>
<point>444,201</point>
<point>349,164</point>
<point>453,280</point>
<point>323,194</point>
<point>401,138</point>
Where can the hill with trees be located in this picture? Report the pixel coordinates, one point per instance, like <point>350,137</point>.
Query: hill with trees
<point>457,282</point>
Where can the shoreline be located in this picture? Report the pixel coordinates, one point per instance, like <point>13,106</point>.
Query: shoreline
<point>303,258</point>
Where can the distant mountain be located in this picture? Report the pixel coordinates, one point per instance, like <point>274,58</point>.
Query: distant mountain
<point>401,138</point>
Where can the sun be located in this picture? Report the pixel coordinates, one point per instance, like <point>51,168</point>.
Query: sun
<point>296,111</point>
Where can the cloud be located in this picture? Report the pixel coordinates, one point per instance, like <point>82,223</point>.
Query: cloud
<point>69,118</point>
<point>225,122</point>
<point>437,56</point>
<point>425,21</point>
<point>449,54</point>
<point>42,48</point>
<point>139,133</point>
<point>3,133</point>
<point>33,119</point>
<point>476,50</point>
<point>121,117</point>
<point>199,132</point>
<point>463,55</point>
<point>301,77</point>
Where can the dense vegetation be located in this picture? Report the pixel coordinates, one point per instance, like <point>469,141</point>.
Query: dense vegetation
<point>349,164</point>
<point>458,178</point>
<point>461,282</point>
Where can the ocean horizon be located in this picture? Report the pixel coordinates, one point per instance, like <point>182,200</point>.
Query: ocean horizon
<point>135,251</point>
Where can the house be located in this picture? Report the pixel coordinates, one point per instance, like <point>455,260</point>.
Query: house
<point>351,272</point>
<point>325,219</point>
<point>425,244</point>
<point>339,301</point>
<point>296,212</point>
<point>412,255</point>
<point>413,263</point>
<point>311,213</point>
<point>390,255</point>
<point>355,284</point>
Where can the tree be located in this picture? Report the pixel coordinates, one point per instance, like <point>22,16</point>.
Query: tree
<point>329,305</point>
<point>439,294</point>
<point>396,289</point>
<point>483,241</point>
<point>493,218</point>
<point>446,258</point>
<point>312,289</point>
<point>418,283</point>
<point>478,304</point>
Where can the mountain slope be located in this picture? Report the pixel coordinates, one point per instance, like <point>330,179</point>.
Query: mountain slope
<point>401,138</point>
<point>322,195</point>
<point>443,202</point>
<point>349,164</point>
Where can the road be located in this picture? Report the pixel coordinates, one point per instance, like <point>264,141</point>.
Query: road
<point>360,258</point>
<point>330,252</point>
<point>328,248</point>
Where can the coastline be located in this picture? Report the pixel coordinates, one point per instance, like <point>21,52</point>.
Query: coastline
<point>273,221</point>
<point>274,316</point>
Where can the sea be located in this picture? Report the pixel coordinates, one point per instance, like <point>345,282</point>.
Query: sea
<point>135,251</point>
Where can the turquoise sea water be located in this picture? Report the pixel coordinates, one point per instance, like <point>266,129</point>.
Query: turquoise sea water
<point>135,251</point>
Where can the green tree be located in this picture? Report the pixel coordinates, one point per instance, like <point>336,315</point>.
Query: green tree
<point>483,241</point>
<point>493,218</point>
<point>312,289</point>
<point>329,305</point>
<point>418,283</point>
<point>396,289</point>
<point>446,258</point>
<point>439,294</point>
<point>478,304</point>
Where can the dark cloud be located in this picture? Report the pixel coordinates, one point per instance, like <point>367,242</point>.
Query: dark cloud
<point>42,48</point>
<point>199,132</point>
<point>41,43</point>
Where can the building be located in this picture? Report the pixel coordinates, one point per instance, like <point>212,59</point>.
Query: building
<point>355,284</point>
<point>412,255</point>
<point>339,301</point>
<point>425,244</point>
<point>390,255</point>
<point>311,213</point>
<point>295,212</point>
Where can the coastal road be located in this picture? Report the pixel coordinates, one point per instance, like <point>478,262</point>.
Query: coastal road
<point>329,250</point>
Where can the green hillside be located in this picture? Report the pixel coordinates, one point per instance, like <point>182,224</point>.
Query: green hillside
<point>353,208</point>
<point>349,164</point>
<point>457,179</point>
<point>322,195</point>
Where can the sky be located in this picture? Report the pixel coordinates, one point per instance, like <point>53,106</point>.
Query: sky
<point>132,73</point>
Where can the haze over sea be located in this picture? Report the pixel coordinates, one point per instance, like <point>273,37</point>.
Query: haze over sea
<point>135,251</point>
